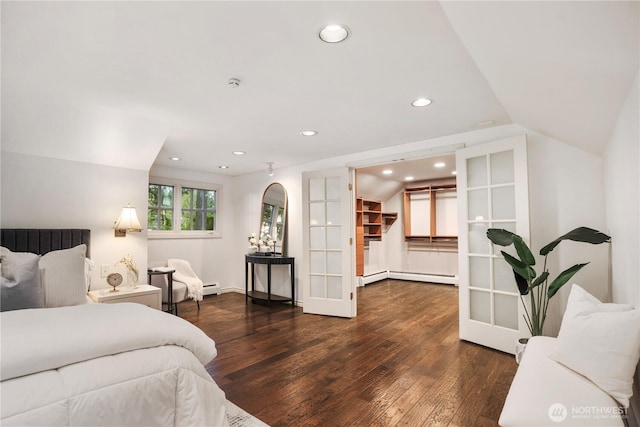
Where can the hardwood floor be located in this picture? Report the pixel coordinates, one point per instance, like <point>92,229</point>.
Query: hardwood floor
<point>399,362</point>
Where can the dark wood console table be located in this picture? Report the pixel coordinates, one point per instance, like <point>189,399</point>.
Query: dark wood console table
<point>268,261</point>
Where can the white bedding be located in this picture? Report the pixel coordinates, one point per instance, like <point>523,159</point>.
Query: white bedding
<point>106,364</point>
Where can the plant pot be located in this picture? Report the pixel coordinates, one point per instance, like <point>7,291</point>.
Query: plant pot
<point>521,346</point>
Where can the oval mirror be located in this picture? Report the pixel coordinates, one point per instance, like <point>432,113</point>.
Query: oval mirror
<point>273,218</point>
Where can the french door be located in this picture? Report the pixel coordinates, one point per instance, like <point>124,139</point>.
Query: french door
<point>493,193</point>
<point>328,285</point>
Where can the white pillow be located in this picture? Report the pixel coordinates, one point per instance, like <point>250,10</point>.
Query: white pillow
<point>601,342</point>
<point>63,277</point>
<point>88,268</point>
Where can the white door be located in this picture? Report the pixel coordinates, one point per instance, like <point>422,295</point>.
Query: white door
<point>328,285</point>
<point>493,193</point>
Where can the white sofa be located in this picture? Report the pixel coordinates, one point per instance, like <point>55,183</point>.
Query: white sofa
<point>546,393</point>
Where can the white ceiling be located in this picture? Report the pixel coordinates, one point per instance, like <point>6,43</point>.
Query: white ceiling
<point>130,84</point>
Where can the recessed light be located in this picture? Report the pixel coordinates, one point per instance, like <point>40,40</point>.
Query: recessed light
<point>175,159</point>
<point>387,172</point>
<point>309,133</point>
<point>421,102</point>
<point>333,33</point>
<point>454,173</point>
<point>239,153</point>
<point>223,167</point>
<point>408,178</point>
<point>439,165</point>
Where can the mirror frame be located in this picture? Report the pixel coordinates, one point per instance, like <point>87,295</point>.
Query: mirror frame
<point>281,245</point>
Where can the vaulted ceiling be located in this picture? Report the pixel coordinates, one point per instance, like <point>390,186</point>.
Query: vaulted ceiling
<point>131,84</point>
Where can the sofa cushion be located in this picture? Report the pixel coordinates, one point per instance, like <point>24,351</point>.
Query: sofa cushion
<point>546,393</point>
<point>600,341</point>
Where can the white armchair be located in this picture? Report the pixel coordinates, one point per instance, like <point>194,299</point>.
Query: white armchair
<point>185,284</point>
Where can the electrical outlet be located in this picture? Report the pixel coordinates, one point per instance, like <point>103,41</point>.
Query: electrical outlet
<point>104,270</point>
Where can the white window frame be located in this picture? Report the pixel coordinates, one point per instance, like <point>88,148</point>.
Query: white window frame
<point>177,233</point>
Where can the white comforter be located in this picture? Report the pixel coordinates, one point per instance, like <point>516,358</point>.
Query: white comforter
<point>106,364</point>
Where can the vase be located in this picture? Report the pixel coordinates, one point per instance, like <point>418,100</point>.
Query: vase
<point>252,250</point>
<point>132,279</point>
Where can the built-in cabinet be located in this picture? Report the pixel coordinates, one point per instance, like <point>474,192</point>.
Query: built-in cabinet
<point>430,213</point>
<point>370,221</point>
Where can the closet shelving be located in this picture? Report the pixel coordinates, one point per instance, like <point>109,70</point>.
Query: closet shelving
<point>433,229</point>
<point>369,224</point>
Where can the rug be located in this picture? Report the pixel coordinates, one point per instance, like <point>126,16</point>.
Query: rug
<point>237,417</point>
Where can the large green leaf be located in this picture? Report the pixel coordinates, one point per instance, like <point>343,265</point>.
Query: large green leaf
<point>519,267</point>
<point>563,278</point>
<point>580,234</point>
<point>523,250</point>
<point>500,237</point>
<point>540,280</point>
<point>521,282</point>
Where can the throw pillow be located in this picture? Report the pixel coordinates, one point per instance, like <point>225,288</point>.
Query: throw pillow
<point>20,284</point>
<point>63,277</point>
<point>601,342</point>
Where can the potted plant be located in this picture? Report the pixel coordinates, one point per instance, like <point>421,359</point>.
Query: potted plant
<point>539,289</point>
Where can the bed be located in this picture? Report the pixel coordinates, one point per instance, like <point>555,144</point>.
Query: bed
<point>97,364</point>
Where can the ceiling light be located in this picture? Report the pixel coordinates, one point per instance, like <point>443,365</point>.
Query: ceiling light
<point>334,33</point>
<point>175,159</point>
<point>387,172</point>
<point>421,102</point>
<point>309,133</point>
<point>270,168</point>
<point>439,165</point>
<point>223,167</point>
<point>239,153</point>
<point>454,173</point>
<point>408,178</point>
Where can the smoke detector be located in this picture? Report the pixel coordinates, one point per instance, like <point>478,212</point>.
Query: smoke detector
<point>233,83</point>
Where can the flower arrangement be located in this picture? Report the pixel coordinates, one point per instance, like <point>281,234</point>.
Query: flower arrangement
<point>268,241</point>
<point>265,240</point>
<point>132,270</point>
<point>253,240</point>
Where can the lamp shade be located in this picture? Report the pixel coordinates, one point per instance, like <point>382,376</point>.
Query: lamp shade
<point>128,220</point>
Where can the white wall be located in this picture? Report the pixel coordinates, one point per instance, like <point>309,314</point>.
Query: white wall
<point>39,192</point>
<point>622,185</point>
<point>566,191</point>
<point>209,257</point>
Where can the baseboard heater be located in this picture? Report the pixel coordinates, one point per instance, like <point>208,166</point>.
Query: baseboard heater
<point>425,277</point>
<point>415,277</point>
<point>211,288</point>
<point>373,277</point>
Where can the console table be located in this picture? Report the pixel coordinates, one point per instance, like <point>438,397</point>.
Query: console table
<point>251,260</point>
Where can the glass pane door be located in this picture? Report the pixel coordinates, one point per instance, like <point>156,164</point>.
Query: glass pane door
<point>493,193</point>
<point>328,286</point>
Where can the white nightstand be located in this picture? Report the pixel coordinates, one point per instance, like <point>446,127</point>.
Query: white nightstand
<point>143,294</point>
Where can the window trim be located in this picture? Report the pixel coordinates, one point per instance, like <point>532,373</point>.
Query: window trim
<point>177,233</point>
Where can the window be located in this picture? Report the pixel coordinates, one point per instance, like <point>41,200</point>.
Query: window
<point>198,209</point>
<point>160,214</point>
<point>183,209</point>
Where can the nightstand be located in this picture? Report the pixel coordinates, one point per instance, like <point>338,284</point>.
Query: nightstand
<point>144,294</point>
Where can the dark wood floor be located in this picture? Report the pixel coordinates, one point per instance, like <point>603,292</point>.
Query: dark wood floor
<point>399,362</point>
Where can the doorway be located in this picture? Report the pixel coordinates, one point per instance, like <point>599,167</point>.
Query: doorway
<point>406,221</point>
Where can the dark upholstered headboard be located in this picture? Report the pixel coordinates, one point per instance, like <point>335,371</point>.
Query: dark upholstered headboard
<point>41,241</point>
